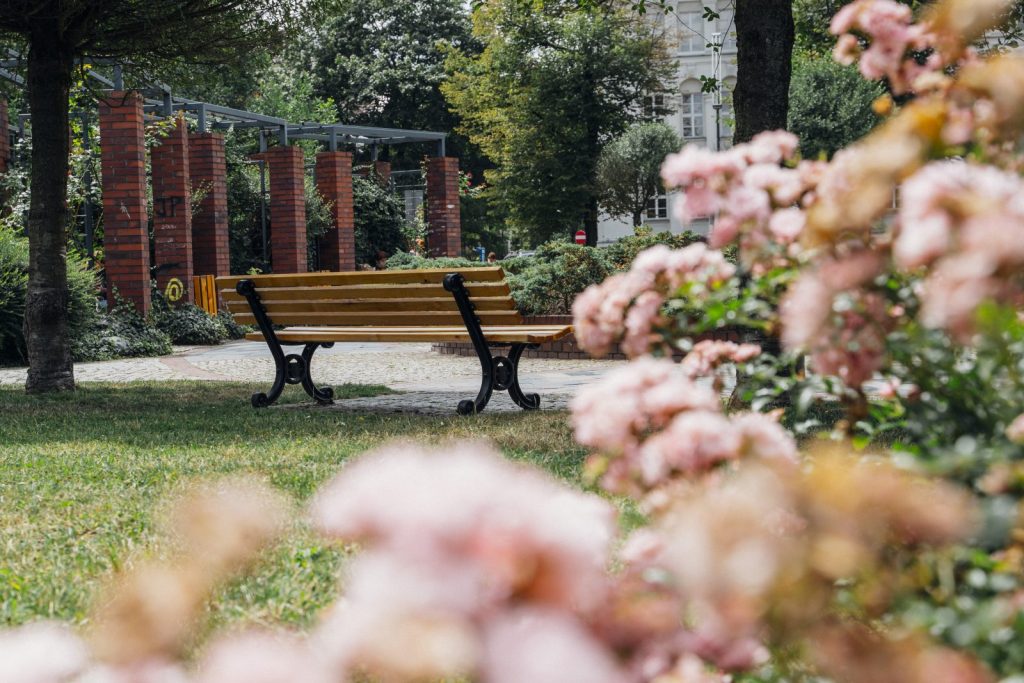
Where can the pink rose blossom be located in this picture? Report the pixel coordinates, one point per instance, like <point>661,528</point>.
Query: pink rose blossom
<point>1015,432</point>
<point>543,646</point>
<point>41,653</point>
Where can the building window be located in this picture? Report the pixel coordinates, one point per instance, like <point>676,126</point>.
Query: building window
<point>654,106</point>
<point>691,114</point>
<point>691,39</point>
<point>657,208</point>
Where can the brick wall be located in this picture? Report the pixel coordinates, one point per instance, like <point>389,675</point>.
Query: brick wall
<point>334,182</point>
<point>125,223</point>
<point>444,218</point>
<point>211,252</point>
<point>382,169</point>
<point>288,253</point>
<point>172,210</point>
<point>565,348</point>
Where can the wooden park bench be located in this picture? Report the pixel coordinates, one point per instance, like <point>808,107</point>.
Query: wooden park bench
<point>319,309</point>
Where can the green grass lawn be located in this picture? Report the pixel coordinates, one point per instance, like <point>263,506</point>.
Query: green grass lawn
<point>82,476</point>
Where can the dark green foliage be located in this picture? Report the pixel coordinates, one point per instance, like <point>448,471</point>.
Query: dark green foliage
<point>232,330</point>
<point>407,261</point>
<point>380,219</point>
<point>187,324</point>
<point>830,105</point>
<point>620,255</point>
<point>123,333</point>
<point>82,314</point>
<point>245,228</point>
<point>559,272</point>
<point>382,63</point>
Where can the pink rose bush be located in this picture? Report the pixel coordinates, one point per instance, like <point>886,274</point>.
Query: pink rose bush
<point>651,424</point>
<point>626,308</point>
<point>753,190</point>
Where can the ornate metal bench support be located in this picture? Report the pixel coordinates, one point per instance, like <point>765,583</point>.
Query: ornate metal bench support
<point>497,372</point>
<point>291,368</point>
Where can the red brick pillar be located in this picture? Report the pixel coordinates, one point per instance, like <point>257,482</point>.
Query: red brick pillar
<point>208,171</point>
<point>5,138</point>
<point>444,217</point>
<point>334,182</point>
<point>172,210</point>
<point>382,169</point>
<point>287,209</point>
<point>125,223</point>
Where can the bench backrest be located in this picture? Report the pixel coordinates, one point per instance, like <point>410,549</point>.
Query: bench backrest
<point>390,298</point>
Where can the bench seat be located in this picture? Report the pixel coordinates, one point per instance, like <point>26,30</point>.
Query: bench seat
<point>518,334</point>
<point>319,309</point>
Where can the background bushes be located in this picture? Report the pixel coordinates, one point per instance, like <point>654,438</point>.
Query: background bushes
<point>82,284</point>
<point>548,282</point>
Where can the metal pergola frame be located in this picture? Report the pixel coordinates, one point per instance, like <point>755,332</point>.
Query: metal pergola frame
<point>161,102</point>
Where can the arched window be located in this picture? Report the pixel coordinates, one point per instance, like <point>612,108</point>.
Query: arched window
<point>691,115</point>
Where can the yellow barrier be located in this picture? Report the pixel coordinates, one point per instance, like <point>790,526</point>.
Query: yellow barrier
<point>205,293</point>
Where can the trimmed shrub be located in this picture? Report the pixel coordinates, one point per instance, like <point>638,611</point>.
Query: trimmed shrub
<point>406,261</point>
<point>622,253</point>
<point>558,273</point>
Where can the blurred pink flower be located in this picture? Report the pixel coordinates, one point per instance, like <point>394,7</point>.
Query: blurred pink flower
<point>529,535</point>
<point>1015,432</point>
<point>41,653</point>
<point>261,658</point>
<point>544,646</point>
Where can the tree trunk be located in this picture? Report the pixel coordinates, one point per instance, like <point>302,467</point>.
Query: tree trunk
<point>764,38</point>
<point>46,306</point>
<point>638,219</point>
<point>590,217</point>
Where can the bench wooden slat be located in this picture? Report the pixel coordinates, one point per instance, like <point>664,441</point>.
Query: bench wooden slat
<point>486,274</point>
<point>378,291</point>
<point>275,307</point>
<point>397,318</point>
<point>528,334</point>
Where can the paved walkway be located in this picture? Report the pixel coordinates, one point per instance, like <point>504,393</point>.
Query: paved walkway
<point>429,382</point>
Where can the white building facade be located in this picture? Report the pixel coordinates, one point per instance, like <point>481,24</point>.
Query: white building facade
<point>690,35</point>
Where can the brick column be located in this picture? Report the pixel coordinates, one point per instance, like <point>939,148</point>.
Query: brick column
<point>334,182</point>
<point>208,171</point>
<point>172,210</point>
<point>287,209</point>
<point>125,223</point>
<point>444,217</point>
<point>5,138</point>
<point>382,169</point>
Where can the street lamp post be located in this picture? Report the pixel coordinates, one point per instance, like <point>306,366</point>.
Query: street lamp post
<point>716,102</point>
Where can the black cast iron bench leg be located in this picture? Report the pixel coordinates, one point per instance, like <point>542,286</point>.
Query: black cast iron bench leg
<point>292,368</point>
<point>497,372</point>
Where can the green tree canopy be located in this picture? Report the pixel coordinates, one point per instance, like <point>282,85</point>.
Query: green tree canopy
<point>830,105</point>
<point>382,62</point>
<point>629,169</point>
<point>554,83</point>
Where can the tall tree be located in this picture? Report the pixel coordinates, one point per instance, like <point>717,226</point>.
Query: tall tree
<point>382,62</point>
<point>55,33</point>
<point>554,83</point>
<point>629,170</point>
<point>764,54</point>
